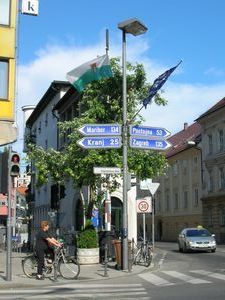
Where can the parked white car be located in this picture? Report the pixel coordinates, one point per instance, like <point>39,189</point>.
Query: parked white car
<point>195,239</point>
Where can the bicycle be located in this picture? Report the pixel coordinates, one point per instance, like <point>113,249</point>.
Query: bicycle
<point>143,254</point>
<point>67,267</point>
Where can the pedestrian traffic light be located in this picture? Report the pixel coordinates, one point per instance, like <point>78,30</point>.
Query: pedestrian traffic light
<point>15,165</point>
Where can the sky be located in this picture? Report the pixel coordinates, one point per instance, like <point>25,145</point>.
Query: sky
<point>68,33</point>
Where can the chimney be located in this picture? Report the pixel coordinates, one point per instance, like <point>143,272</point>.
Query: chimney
<point>185,126</point>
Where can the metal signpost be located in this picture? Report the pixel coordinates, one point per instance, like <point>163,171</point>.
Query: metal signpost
<point>100,142</point>
<point>152,187</point>
<point>100,129</point>
<point>144,206</point>
<point>145,143</point>
<point>151,132</point>
<point>106,170</point>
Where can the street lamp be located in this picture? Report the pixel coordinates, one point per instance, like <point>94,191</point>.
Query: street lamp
<point>134,27</point>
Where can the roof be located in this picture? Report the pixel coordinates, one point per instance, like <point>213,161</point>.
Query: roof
<point>53,89</point>
<point>220,104</point>
<point>180,140</point>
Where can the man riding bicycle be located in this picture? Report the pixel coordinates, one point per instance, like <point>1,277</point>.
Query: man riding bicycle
<point>44,241</point>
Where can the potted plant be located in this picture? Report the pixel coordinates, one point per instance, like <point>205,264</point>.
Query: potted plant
<point>87,245</point>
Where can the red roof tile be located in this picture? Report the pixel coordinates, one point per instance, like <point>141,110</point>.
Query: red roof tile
<point>180,139</point>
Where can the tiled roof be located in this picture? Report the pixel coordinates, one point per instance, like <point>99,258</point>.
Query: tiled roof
<point>214,108</point>
<point>180,139</point>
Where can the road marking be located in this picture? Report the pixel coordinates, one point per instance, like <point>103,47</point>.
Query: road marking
<point>210,274</point>
<point>67,291</point>
<point>154,279</point>
<point>185,278</point>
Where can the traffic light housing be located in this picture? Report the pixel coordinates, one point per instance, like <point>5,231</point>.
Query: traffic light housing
<point>15,165</point>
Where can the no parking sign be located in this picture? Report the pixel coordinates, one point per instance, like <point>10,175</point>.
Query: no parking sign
<point>144,205</point>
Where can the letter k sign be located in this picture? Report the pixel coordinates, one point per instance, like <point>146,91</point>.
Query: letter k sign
<point>30,7</point>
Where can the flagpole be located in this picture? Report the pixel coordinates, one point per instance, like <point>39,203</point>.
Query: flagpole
<point>107,41</point>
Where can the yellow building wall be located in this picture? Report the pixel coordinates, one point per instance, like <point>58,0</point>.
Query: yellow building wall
<point>8,51</point>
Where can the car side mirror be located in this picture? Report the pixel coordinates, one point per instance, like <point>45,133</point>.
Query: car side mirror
<point>213,235</point>
<point>181,235</point>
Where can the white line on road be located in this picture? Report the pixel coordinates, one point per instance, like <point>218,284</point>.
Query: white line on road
<point>210,274</point>
<point>185,277</point>
<point>156,280</point>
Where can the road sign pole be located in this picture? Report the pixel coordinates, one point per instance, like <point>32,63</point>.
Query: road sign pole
<point>153,222</point>
<point>144,233</point>
<point>9,224</point>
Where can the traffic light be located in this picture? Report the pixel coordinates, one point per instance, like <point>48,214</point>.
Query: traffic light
<point>15,165</point>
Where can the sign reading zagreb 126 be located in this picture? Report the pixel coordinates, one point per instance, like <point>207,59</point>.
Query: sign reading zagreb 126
<point>144,205</point>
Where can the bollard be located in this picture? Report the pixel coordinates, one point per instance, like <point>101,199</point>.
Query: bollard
<point>106,260</point>
<point>55,274</point>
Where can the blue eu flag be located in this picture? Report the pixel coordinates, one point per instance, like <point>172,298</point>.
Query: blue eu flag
<point>158,83</point>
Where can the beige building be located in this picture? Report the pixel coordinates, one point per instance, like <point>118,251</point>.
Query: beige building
<point>213,154</point>
<point>177,200</point>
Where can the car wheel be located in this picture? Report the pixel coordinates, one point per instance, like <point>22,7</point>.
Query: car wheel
<point>184,248</point>
<point>213,250</point>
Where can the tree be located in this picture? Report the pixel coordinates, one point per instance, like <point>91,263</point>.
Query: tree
<point>101,102</point>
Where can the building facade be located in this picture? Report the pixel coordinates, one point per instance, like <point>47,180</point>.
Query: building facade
<point>177,200</point>
<point>65,209</point>
<point>8,24</point>
<point>213,153</point>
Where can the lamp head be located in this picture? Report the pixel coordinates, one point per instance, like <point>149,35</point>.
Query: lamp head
<point>133,26</point>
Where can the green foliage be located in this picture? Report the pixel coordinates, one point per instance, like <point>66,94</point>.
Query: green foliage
<point>101,102</point>
<point>88,237</point>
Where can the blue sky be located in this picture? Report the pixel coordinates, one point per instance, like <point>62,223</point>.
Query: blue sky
<point>68,33</point>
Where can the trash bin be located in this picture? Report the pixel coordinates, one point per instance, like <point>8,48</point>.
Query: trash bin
<point>118,254</point>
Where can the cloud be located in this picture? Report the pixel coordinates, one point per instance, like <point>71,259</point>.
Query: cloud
<point>215,72</point>
<point>52,62</point>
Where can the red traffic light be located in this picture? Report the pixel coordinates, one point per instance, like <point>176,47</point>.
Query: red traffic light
<point>15,159</point>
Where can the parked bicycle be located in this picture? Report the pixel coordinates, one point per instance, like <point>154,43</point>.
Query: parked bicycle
<point>143,253</point>
<point>67,267</point>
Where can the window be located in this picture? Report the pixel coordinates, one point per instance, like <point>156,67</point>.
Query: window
<point>5,10</point>
<point>176,201</point>
<point>184,166</point>
<point>185,199</point>
<point>211,182</point>
<point>195,162</point>
<point>4,75</point>
<point>222,178</point>
<point>46,119</point>
<point>221,140</point>
<point>222,216</point>
<point>210,144</point>
<point>167,201</point>
<point>196,197</point>
<point>175,169</point>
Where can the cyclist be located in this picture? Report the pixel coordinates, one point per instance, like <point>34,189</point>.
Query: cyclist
<point>44,243</point>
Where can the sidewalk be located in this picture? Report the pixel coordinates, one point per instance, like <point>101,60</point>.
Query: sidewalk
<point>87,272</point>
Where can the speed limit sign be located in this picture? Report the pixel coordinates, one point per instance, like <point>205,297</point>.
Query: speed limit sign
<point>144,205</point>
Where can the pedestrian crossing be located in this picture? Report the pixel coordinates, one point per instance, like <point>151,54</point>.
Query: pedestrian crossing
<point>171,278</point>
<point>80,291</point>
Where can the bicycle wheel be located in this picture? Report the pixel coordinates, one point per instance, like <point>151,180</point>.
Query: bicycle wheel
<point>137,257</point>
<point>29,266</point>
<point>69,268</point>
<point>148,258</point>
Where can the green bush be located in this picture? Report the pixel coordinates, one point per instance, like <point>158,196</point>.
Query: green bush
<point>87,238</point>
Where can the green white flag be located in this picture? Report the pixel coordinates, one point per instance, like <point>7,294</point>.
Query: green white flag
<point>95,69</point>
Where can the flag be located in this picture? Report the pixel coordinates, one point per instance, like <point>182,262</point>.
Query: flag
<point>95,69</point>
<point>158,83</point>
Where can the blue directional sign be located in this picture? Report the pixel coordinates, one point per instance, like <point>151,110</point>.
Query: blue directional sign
<point>144,143</point>
<point>154,132</point>
<point>100,129</point>
<point>94,142</point>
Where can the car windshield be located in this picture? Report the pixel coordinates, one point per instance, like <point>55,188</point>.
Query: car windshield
<point>198,232</point>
